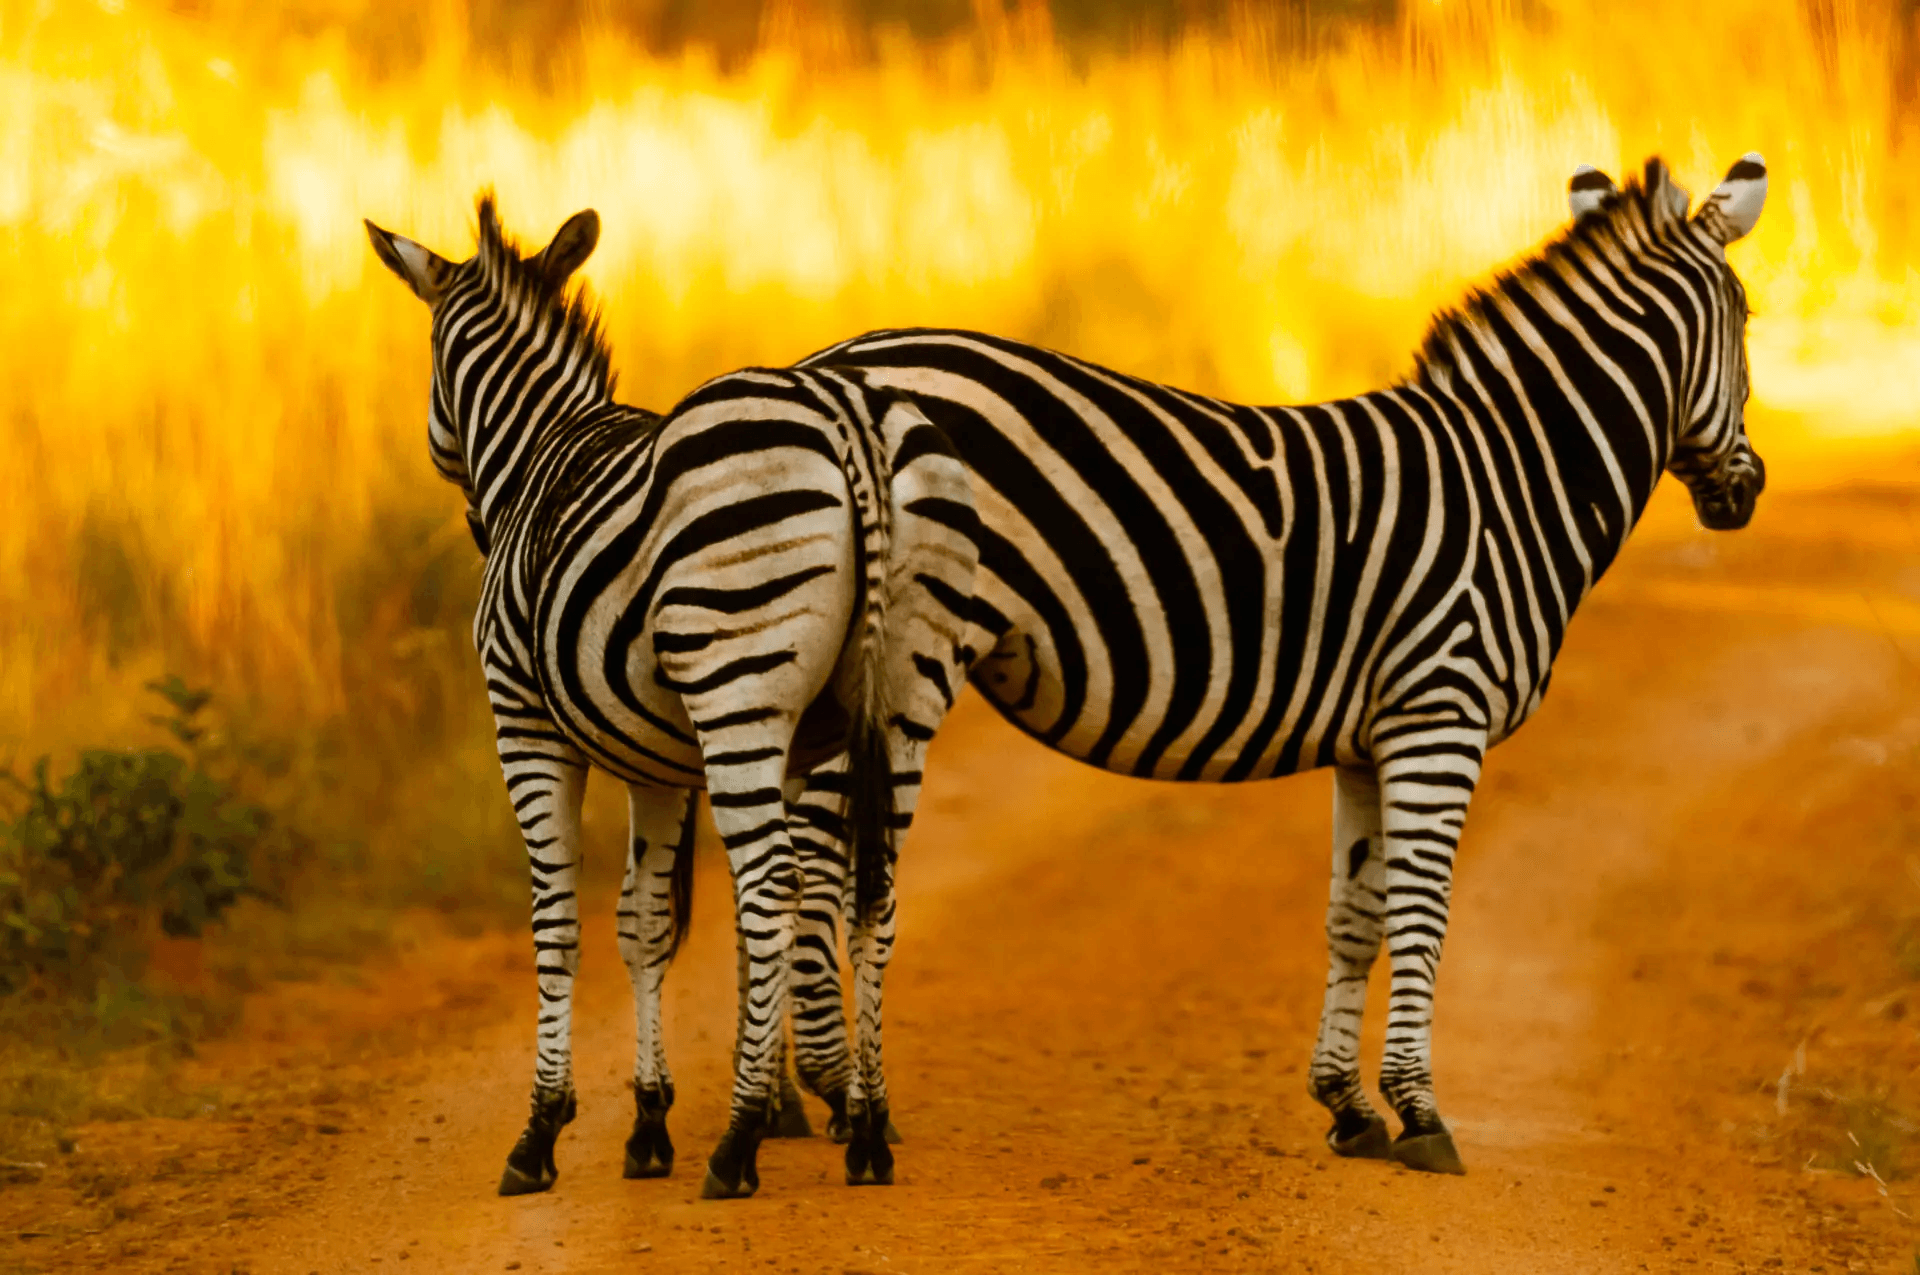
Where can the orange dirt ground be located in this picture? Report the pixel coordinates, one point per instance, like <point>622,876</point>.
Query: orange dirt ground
<point>1695,863</point>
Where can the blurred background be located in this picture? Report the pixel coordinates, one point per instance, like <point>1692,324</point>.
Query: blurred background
<point>212,452</point>
<point>242,729</point>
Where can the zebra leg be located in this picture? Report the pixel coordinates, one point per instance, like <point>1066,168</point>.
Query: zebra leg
<point>870,933</point>
<point>1426,791</point>
<point>546,778</point>
<point>821,1054</point>
<point>869,1126</point>
<point>750,813</point>
<point>660,826</point>
<point>789,1113</point>
<point>1355,916</point>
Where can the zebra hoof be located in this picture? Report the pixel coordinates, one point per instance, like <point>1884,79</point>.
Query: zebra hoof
<point>514,1182</point>
<point>714,1189</point>
<point>1428,1152</point>
<point>731,1171</point>
<point>869,1159</point>
<point>1370,1143</point>
<point>649,1152</point>
<point>870,1175</point>
<point>869,1163</point>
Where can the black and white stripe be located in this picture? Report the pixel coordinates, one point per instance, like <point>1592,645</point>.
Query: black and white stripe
<point>1178,587</point>
<point>773,574</point>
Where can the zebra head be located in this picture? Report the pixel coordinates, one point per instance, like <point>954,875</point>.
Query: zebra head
<point>1710,451</point>
<point>506,337</point>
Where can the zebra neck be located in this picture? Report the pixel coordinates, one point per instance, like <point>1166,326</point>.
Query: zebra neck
<point>532,413</point>
<point>1572,469</point>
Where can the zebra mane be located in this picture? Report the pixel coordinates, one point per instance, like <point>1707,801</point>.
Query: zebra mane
<point>565,315</point>
<point>1626,222</point>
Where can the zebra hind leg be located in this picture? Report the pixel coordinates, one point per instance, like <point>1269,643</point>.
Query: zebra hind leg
<point>820,1054</point>
<point>750,813</point>
<point>1355,921</point>
<point>547,788</point>
<point>789,1112</point>
<point>652,918</point>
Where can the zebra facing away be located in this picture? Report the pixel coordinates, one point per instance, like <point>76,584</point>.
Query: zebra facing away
<point>772,574</point>
<point>1181,588</point>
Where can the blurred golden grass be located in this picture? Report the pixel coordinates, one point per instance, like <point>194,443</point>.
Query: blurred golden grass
<point>214,455</point>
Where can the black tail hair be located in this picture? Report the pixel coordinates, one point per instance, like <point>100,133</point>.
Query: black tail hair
<point>870,812</point>
<point>680,881</point>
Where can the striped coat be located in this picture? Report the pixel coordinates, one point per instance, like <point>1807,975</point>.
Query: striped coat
<point>1182,588</point>
<point>774,573</point>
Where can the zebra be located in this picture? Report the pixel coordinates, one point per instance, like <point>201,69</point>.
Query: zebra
<point>774,573</point>
<point>1181,588</point>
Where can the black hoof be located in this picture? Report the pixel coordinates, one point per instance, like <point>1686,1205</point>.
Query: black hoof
<point>731,1171</point>
<point>649,1150</point>
<point>869,1159</point>
<point>1361,1141</point>
<point>1428,1152</point>
<point>530,1168</point>
<point>790,1117</point>
<point>514,1182</point>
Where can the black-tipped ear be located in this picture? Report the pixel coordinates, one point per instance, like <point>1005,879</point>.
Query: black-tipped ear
<point>571,246</point>
<point>1734,206</point>
<point>424,271</point>
<point>1588,189</point>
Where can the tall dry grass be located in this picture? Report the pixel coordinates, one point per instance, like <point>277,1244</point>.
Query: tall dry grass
<point>212,458</point>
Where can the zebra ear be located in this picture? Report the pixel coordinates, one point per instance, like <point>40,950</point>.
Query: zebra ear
<point>1730,212</point>
<point>571,246</point>
<point>421,269</point>
<point>1588,190</point>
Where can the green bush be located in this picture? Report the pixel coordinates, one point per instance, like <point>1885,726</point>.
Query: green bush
<point>130,843</point>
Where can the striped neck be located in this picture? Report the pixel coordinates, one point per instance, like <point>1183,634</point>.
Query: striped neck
<point>1584,360</point>
<point>515,357</point>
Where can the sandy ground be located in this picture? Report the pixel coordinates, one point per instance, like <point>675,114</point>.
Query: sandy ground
<point>1683,872</point>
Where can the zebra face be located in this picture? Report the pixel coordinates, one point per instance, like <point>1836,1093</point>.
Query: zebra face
<point>479,307</point>
<point>1712,454</point>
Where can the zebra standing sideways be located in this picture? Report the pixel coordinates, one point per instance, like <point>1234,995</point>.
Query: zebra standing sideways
<point>1177,587</point>
<point>774,573</point>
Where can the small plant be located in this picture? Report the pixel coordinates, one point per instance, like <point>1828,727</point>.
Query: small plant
<point>130,842</point>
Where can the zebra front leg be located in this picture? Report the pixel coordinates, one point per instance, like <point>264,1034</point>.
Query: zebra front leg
<point>1356,909</point>
<point>652,920</point>
<point>546,779</point>
<point>751,816</point>
<point>1425,796</point>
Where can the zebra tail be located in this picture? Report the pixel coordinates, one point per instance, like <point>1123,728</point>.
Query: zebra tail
<point>680,883</point>
<point>869,813</point>
<point>870,810</point>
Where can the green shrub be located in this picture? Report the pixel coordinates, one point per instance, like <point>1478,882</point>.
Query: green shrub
<point>130,843</point>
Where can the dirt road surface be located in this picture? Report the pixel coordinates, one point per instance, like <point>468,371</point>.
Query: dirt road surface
<point>1672,948</point>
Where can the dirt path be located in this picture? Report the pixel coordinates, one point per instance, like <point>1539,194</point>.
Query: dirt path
<point>1106,993</point>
